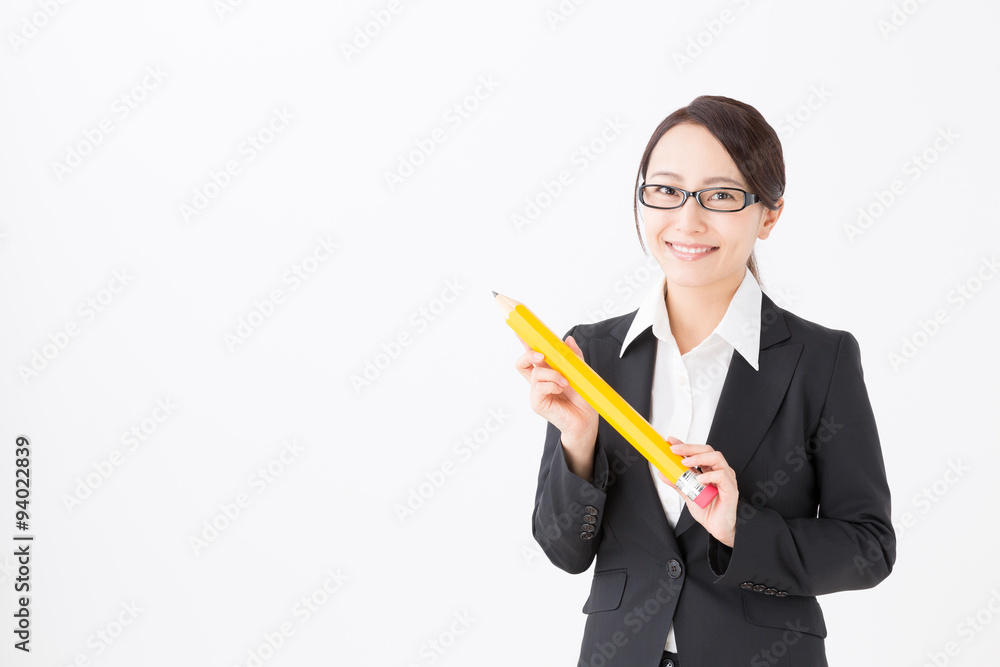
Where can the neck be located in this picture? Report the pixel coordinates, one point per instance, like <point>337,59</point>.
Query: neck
<point>694,312</point>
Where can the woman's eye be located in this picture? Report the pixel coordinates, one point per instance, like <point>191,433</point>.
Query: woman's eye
<point>721,194</point>
<point>667,191</point>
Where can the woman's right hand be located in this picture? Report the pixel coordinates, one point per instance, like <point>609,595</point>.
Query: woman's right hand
<point>553,398</point>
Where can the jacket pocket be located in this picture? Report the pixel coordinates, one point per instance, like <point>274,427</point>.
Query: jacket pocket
<point>606,591</point>
<point>795,613</point>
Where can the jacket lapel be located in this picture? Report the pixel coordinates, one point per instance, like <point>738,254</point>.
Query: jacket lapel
<point>747,405</point>
<point>749,400</point>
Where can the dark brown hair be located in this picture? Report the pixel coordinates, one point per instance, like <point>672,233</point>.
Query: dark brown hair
<point>750,141</point>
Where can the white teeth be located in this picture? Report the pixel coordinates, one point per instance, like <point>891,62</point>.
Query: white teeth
<point>690,251</point>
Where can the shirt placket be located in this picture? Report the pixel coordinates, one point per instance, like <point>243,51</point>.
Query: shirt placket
<point>680,421</point>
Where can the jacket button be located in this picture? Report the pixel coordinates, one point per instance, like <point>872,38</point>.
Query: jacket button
<point>589,518</point>
<point>587,528</point>
<point>746,585</point>
<point>760,587</point>
<point>770,591</point>
<point>674,568</point>
<point>781,594</point>
<point>586,536</point>
<point>590,509</point>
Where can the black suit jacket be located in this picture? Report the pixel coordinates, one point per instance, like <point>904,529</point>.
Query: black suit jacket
<point>814,513</point>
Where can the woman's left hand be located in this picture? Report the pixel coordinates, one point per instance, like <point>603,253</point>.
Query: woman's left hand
<point>719,517</point>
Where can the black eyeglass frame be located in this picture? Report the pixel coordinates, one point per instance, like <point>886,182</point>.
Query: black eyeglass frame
<point>748,198</point>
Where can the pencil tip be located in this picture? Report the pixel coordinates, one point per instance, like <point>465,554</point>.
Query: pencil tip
<point>494,293</point>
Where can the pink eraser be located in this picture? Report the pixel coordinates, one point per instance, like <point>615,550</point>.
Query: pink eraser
<point>705,497</point>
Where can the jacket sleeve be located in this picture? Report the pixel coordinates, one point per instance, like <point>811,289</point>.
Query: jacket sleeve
<point>564,502</point>
<point>850,544</point>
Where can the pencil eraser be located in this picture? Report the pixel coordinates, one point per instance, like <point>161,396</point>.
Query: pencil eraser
<point>705,497</point>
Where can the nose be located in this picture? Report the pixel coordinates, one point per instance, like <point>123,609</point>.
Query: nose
<point>688,218</point>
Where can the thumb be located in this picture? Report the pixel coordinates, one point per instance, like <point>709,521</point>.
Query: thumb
<point>571,342</point>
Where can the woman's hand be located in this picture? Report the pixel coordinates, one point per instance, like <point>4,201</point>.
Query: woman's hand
<point>553,398</point>
<point>719,517</point>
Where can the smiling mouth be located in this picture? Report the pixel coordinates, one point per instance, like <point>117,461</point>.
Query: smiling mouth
<point>692,250</point>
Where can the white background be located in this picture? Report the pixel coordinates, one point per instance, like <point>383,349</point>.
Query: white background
<point>853,104</point>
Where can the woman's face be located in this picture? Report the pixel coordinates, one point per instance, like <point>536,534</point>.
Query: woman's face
<point>688,156</point>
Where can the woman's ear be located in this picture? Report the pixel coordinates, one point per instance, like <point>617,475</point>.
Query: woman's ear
<point>770,219</point>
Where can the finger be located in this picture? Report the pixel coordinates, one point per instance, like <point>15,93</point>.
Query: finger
<point>539,374</point>
<point>712,459</point>
<point>541,389</point>
<point>683,449</point>
<point>528,359</point>
<point>524,365</point>
<point>571,342</point>
<point>720,478</point>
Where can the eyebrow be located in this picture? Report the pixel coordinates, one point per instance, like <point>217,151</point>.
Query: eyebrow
<point>708,181</point>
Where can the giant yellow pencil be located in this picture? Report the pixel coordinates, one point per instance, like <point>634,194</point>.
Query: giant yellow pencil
<point>603,398</point>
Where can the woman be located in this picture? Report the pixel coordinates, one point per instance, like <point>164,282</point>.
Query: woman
<point>772,408</point>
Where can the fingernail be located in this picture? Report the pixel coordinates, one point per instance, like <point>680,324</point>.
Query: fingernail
<point>673,447</point>
<point>538,356</point>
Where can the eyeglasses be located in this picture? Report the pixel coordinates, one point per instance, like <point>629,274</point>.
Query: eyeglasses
<point>727,200</point>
